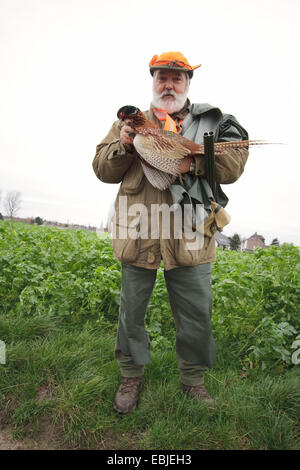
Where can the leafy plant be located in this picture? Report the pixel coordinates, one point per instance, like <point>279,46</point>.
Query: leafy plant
<point>73,276</point>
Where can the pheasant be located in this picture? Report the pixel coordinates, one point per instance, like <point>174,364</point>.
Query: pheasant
<point>161,151</point>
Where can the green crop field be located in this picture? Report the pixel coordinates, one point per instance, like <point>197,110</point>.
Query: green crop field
<point>59,299</point>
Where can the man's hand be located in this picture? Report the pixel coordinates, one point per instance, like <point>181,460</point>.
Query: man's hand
<point>125,132</point>
<point>185,164</point>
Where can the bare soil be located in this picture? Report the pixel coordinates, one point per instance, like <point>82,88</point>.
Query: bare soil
<point>46,440</point>
<point>48,437</point>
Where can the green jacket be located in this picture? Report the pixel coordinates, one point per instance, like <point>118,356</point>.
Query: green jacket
<point>113,164</point>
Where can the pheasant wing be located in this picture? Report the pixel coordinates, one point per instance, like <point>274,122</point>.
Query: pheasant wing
<point>164,142</point>
<point>161,152</point>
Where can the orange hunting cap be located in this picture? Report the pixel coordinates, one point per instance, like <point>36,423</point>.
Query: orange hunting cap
<point>172,61</point>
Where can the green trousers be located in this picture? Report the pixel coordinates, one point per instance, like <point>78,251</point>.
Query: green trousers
<point>190,296</point>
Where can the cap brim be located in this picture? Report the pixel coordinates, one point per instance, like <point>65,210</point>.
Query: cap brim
<point>170,67</point>
<point>167,67</point>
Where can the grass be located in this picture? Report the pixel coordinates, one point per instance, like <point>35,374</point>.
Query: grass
<point>68,375</point>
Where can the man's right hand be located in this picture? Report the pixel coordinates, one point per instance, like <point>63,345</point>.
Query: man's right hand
<point>125,136</point>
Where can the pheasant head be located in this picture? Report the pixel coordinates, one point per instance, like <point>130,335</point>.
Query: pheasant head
<point>136,117</point>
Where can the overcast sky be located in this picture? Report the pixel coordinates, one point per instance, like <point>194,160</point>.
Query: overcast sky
<point>68,65</point>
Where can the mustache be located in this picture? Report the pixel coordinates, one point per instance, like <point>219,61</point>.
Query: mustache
<point>168,92</point>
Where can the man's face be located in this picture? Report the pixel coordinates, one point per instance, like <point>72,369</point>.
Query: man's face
<point>170,89</point>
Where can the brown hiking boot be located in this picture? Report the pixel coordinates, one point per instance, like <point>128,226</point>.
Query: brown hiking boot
<point>127,396</point>
<point>198,392</point>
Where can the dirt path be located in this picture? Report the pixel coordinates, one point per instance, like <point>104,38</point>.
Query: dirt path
<point>47,439</point>
<point>7,443</point>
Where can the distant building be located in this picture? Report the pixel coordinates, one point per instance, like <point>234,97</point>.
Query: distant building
<point>254,241</point>
<point>222,241</point>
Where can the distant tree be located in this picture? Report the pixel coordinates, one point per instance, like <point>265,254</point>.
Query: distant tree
<point>275,242</point>
<point>38,220</point>
<point>12,203</point>
<point>235,242</point>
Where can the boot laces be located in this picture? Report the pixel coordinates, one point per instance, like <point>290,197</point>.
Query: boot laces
<point>203,390</point>
<point>127,384</point>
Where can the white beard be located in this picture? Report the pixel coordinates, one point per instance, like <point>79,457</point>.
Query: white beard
<point>169,104</point>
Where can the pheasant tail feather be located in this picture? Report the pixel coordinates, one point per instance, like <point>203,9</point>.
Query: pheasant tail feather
<point>235,144</point>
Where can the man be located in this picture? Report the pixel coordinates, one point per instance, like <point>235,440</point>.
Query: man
<point>187,271</point>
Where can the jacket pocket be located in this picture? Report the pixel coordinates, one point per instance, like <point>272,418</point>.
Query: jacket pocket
<point>198,245</point>
<point>126,240</point>
<point>190,250</point>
